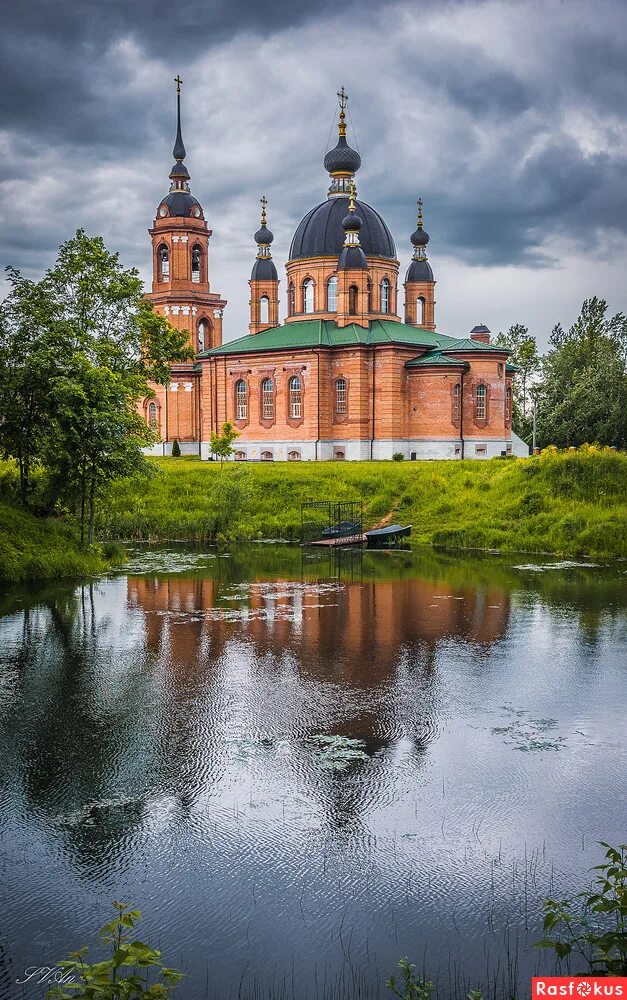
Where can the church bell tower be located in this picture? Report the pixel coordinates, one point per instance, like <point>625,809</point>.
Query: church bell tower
<point>180,257</point>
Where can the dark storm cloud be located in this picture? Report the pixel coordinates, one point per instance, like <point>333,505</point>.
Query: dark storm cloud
<point>508,117</point>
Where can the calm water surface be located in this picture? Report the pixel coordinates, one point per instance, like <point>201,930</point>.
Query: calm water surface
<point>162,741</point>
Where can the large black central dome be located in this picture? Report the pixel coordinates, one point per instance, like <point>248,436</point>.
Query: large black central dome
<point>321,234</point>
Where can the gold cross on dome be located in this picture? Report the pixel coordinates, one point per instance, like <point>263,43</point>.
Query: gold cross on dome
<point>264,201</point>
<point>343,97</point>
<point>178,83</point>
<point>419,203</point>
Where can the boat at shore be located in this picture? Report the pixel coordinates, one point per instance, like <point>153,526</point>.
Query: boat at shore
<point>387,538</point>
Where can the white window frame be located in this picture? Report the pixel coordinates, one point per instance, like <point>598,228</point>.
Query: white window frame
<point>241,400</point>
<point>296,397</point>
<point>267,399</point>
<point>341,395</point>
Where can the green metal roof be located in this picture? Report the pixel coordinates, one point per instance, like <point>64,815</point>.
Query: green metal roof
<point>466,344</point>
<point>326,333</point>
<point>511,368</point>
<point>438,359</point>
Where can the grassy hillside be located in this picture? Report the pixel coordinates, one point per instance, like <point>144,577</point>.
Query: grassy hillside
<point>33,548</point>
<point>568,502</point>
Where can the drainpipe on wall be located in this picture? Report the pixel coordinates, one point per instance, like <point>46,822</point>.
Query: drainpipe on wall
<point>167,429</point>
<point>461,415</point>
<point>318,438</point>
<point>372,438</point>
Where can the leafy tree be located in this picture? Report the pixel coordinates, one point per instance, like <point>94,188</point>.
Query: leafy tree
<point>96,435</point>
<point>526,358</point>
<point>222,444</point>
<point>32,352</point>
<point>77,351</point>
<point>106,980</point>
<point>582,396</point>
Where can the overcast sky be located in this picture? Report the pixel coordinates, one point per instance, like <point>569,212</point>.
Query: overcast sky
<point>508,118</point>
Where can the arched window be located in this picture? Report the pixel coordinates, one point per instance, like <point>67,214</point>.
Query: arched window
<point>508,404</point>
<point>204,339</point>
<point>293,456</point>
<point>291,300</point>
<point>332,294</point>
<point>196,263</point>
<point>240,456</point>
<point>353,293</point>
<point>420,311</point>
<point>267,399</point>
<point>481,402</point>
<point>153,416</point>
<point>340,395</point>
<point>457,397</point>
<point>241,400</point>
<point>164,263</point>
<point>385,296</point>
<point>369,287</point>
<point>296,398</point>
<point>264,309</point>
<point>267,456</point>
<point>308,295</point>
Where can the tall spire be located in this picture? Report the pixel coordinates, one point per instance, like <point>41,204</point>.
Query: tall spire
<point>179,174</point>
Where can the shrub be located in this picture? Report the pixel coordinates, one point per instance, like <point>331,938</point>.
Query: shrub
<point>398,456</point>
<point>595,928</point>
<point>103,979</point>
<point>176,449</point>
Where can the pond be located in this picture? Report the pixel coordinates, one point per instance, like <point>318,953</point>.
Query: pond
<point>302,766</point>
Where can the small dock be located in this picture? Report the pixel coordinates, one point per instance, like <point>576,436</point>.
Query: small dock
<point>339,540</point>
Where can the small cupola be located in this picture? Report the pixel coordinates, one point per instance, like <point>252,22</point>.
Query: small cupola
<point>342,162</point>
<point>419,280</point>
<point>264,280</point>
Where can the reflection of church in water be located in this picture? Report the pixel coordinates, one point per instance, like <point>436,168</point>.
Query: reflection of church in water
<point>351,371</point>
<point>358,635</point>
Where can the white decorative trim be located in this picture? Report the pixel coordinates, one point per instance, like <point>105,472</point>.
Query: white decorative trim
<point>185,310</point>
<point>166,310</point>
<point>184,239</point>
<point>217,314</point>
<point>194,310</point>
<point>188,387</point>
<point>176,310</point>
<point>175,239</point>
<point>174,387</point>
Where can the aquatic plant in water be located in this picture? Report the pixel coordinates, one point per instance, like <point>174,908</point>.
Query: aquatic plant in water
<point>336,753</point>
<point>525,733</point>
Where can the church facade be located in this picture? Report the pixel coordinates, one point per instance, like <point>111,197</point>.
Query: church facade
<point>350,373</point>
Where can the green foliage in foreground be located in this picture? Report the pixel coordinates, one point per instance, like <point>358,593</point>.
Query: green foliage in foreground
<point>594,924</point>
<point>124,976</point>
<point>572,502</point>
<point>33,548</point>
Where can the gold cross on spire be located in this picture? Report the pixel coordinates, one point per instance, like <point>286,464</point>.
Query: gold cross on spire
<point>264,201</point>
<point>419,203</point>
<point>178,83</point>
<point>343,99</point>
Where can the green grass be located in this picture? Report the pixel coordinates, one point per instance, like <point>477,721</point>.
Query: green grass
<point>572,502</point>
<point>35,548</point>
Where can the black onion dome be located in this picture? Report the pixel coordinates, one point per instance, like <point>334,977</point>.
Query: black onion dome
<point>351,259</point>
<point>419,237</point>
<point>342,159</point>
<point>480,328</point>
<point>264,236</point>
<point>321,233</point>
<point>181,204</point>
<point>179,171</point>
<point>264,270</point>
<point>351,223</point>
<point>419,270</point>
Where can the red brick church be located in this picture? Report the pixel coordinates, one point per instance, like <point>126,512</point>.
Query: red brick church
<point>344,376</point>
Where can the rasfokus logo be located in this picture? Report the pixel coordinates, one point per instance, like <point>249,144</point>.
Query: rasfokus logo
<point>577,986</point>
